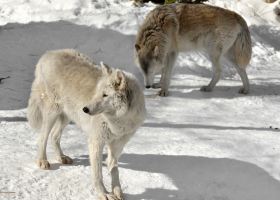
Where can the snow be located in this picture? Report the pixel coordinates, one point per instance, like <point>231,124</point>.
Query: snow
<point>192,146</point>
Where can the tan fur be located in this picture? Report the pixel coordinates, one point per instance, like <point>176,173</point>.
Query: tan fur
<point>106,103</point>
<point>187,27</point>
<point>270,1</point>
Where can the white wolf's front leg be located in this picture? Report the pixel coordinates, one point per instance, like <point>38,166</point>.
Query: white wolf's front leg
<point>96,145</point>
<point>114,151</point>
<point>166,73</point>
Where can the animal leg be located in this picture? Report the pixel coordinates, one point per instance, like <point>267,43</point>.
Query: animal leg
<point>114,151</point>
<point>49,119</point>
<point>166,73</point>
<point>215,59</point>
<point>243,75</point>
<point>56,133</point>
<point>241,71</point>
<point>96,145</point>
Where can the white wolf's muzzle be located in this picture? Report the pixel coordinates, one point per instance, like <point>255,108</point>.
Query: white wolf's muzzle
<point>93,109</point>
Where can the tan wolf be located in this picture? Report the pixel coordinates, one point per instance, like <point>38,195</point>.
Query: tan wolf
<point>170,29</point>
<point>106,103</point>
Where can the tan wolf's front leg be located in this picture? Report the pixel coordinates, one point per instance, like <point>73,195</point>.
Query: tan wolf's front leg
<point>165,77</point>
<point>166,73</point>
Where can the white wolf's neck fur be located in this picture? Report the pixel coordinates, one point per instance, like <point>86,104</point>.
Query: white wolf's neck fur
<point>129,121</point>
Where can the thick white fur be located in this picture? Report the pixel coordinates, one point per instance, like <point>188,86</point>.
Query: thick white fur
<point>66,83</point>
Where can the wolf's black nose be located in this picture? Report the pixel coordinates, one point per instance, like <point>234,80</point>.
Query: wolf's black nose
<point>148,86</point>
<point>86,110</point>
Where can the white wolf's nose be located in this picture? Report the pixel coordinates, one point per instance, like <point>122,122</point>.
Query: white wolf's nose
<point>86,110</point>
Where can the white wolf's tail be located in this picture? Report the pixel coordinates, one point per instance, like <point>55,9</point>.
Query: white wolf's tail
<point>243,45</point>
<point>34,114</point>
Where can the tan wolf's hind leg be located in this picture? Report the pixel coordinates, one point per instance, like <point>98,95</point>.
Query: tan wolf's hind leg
<point>243,75</point>
<point>56,133</point>
<point>241,71</point>
<point>49,118</point>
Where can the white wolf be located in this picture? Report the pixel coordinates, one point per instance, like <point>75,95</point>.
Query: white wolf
<point>170,29</point>
<point>106,103</point>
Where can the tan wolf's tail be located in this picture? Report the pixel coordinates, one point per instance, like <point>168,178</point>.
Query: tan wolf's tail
<point>243,45</point>
<point>34,114</point>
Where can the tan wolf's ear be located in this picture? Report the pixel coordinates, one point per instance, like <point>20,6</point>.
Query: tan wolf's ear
<point>137,47</point>
<point>120,80</point>
<point>105,68</point>
<point>156,51</point>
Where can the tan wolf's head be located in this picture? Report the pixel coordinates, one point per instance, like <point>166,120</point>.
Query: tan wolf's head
<point>112,94</point>
<point>150,61</point>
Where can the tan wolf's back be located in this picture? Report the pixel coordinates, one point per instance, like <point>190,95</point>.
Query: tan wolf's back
<point>204,17</point>
<point>196,20</point>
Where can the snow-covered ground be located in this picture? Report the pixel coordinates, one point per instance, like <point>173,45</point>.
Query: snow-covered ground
<point>193,145</point>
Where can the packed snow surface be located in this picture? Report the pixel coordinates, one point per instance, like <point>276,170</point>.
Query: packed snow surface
<point>193,146</point>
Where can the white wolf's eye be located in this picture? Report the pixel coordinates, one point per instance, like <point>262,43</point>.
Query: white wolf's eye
<point>105,95</point>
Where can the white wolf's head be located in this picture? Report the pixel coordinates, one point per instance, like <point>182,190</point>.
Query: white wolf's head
<point>112,95</point>
<point>150,60</point>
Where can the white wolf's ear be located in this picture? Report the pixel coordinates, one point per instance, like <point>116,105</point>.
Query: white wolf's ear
<point>120,80</point>
<point>156,51</point>
<point>105,68</point>
<point>137,47</point>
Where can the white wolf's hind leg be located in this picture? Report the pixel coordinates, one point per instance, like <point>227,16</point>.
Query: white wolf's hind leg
<point>215,59</point>
<point>56,133</point>
<point>49,119</point>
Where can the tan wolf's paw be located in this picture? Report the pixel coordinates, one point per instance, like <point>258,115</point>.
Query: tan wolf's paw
<point>163,93</point>
<point>108,197</point>
<point>43,164</point>
<point>243,91</point>
<point>117,191</point>
<point>65,160</point>
<point>206,88</point>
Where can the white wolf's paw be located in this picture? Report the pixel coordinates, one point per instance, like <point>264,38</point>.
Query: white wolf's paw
<point>243,91</point>
<point>43,164</point>
<point>65,160</point>
<point>108,197</point>
<point>163,93</point>
<point>117,191</point>
<point>156,85</point>
<point>206,88</point>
